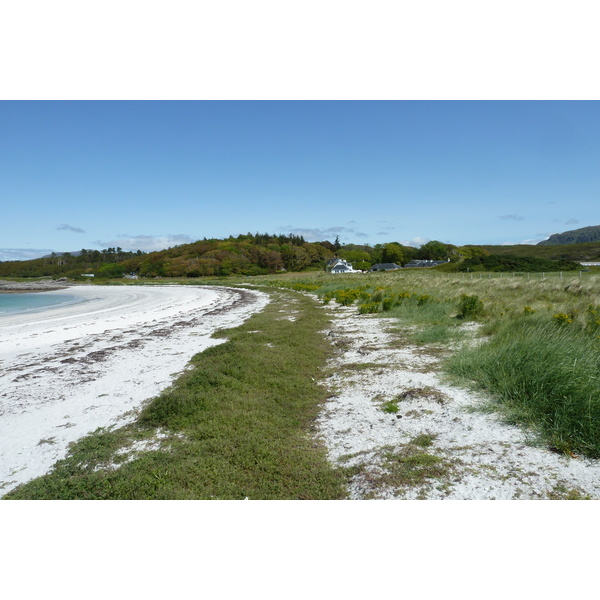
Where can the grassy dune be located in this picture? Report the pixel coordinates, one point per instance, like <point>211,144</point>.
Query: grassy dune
<point>539,356</point>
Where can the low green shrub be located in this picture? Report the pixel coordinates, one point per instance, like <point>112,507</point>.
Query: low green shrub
<point>469,306</point>
<point>369,308</point>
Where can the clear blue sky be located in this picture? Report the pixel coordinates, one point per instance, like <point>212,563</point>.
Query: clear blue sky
<point>150,174</point>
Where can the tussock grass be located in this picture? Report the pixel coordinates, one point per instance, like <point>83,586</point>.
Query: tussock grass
<point>539,359</point>
<point>543,375</point>
<point>239,424</point>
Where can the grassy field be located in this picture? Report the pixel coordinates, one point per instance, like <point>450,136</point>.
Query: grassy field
<point>238,425</point>
<point>538,355</point>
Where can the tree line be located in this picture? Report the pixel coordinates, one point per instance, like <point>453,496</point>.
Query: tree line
<point>261,254</point>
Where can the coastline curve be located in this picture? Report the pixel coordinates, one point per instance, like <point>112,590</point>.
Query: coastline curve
<point>71,369</point>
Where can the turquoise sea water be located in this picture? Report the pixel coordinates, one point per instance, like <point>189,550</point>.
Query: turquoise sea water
<point>11,304</point>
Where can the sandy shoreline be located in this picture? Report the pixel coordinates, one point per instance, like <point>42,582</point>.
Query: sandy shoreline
<point>68,370</point>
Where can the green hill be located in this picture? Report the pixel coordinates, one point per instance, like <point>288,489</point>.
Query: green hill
<point>242,255</point>
<point>575,236</point>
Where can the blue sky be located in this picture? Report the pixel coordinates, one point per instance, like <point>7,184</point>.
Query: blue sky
<point>152,174</point>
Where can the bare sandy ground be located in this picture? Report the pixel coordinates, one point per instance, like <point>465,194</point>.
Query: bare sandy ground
<point>69,370</point>
<point>474,455</point>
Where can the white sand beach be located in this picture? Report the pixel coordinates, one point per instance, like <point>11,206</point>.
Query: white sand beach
<point>67,371</point>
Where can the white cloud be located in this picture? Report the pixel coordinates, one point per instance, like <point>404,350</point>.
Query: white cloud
<point>529,242</point>
<point>320,235</point>
<point>23,253</point>
<point>511,217</point>
<point>146,243</point>
<point>415,242</point>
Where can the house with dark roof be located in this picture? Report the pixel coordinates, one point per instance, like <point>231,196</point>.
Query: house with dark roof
<point>385,267</point>
<point>424,263</point>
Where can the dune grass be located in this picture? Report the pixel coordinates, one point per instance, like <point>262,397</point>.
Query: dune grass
<point>544,374</point>
<point>239,424</point>
<point>539,354</point>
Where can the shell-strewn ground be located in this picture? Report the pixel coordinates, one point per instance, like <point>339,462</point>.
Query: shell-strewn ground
<point>404,434</point>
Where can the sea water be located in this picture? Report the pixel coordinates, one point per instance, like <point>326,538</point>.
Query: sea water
<point>11,304</point>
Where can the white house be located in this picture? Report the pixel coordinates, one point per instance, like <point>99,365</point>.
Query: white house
<point>338,265</point>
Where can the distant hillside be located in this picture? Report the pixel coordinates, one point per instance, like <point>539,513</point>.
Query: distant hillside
<point>575,252</point>
<point>576,236</point>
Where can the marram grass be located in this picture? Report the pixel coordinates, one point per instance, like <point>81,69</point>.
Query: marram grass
<point>543,374</point>
<point>539,360</point>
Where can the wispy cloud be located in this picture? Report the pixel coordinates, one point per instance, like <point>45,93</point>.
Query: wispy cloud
<point>572,222</point>
<point>146,243</point>
<point>529,242</point>
<point>540,237</point>
<point>319,235</point>
<point>23,253</point>
<point>511,217</point>
<point>65,227</point>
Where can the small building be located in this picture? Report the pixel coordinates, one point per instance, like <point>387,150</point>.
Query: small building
<point>424,263</point>
<point>338,265</point>
<point>385,267</point>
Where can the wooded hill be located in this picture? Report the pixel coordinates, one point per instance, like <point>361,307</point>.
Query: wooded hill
<point>258,254</point>
<point>250,254</point>
<point>66,264</point>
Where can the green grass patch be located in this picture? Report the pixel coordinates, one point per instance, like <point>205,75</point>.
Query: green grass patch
<point>239,424</point>
<point>543,374</point>
<point>410,466</point>
<point>391,406</point>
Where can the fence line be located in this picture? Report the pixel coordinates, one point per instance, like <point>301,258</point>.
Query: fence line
<point>528,275</point>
